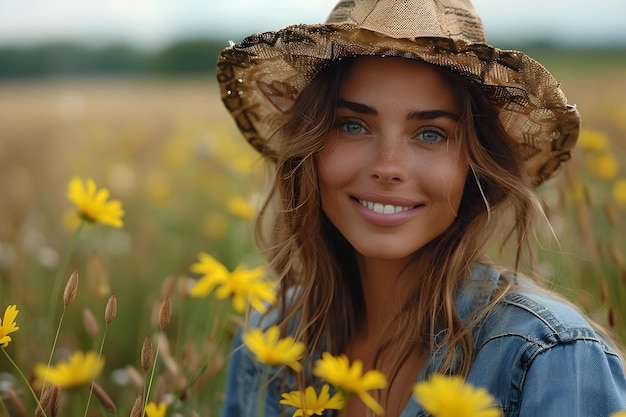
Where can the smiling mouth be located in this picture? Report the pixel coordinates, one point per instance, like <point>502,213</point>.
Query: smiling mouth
<point>384,208</point>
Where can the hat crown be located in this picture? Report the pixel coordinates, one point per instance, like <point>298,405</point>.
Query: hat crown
<point>455,19</point>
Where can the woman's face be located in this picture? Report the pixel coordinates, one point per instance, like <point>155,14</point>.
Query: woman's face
<point>392,170</point>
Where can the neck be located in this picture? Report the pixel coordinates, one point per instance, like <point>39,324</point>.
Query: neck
<point>385,287</point>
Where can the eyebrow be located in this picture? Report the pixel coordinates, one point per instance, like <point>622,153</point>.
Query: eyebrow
<point>414,115</point>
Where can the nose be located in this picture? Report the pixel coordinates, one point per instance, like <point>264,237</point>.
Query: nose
<point>389,162</point>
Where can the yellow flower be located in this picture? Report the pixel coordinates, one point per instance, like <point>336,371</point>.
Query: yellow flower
<point>308,403</point>
<point>271,350</point>
<point>214,273</point>
<point>604,166</point>
<point>243,284</point>
<point>593,140</point>
<point>7,325</point>
<point>337,371</point>
<point>444,396</point>
<point>92,204</point>
<point>619,414</point>
<point>619,192</point>
<point>241,208</point>
<point>154,410</point>
<point>79,370</point>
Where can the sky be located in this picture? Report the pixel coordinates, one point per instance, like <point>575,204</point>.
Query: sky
<point>151,24</point>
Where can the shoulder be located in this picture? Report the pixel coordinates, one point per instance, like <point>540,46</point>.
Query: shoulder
<point>527,311</point>
<point>538,317</point>
<point>536,351</point>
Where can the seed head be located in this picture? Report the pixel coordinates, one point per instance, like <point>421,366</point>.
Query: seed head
<point>44,401</point>
<point>111,309</point>
<point>146,353</point>
<point>137,410</point>
<point>165,313</point>
<point>71,288</point>
<point>104,398</point>
<point>55,402</point>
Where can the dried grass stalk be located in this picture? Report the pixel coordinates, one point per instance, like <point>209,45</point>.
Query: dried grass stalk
<point>14,403</point>
<point>55,402</point>
<point>71,289</point>
<point>137,410</point>
<point>44,401</point>
<point>146,353</point>
<point>134,376</point>
<point>90,323</point>
<point>111,309</point>
<point>103,397</point>
<point>165,313</point>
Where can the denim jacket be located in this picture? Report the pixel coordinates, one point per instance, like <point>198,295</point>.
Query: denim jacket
<point>534,354</point>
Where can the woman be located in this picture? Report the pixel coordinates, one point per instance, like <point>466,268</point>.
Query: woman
<point>403,145</point>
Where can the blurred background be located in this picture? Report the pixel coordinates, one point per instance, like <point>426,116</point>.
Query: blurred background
<point>123,91</point>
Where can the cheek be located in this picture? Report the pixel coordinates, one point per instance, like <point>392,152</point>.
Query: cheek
<point>337,164</point>
<point>445,178</point>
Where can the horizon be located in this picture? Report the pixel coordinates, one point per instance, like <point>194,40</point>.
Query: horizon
<point>154,24</point>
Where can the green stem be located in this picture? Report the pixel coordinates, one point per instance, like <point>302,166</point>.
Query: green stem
<point>219,324</point>
<point>17,368</point>
<point>263,382</point>
<point>54,345</point>
<point>104,335</point>
<point>154,362</point>
<point>56,286</point>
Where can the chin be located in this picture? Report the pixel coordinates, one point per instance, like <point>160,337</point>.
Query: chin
<point>385,253</point>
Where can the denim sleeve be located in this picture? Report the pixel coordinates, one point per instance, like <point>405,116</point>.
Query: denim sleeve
<point>575,379</point>
<point>231,405</point>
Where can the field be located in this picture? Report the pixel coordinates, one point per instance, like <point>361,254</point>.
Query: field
<point>188,183</point>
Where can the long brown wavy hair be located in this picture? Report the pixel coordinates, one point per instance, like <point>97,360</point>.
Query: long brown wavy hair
<point>316,269</point>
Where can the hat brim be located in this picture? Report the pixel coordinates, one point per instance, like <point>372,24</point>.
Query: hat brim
<point>261,77</point>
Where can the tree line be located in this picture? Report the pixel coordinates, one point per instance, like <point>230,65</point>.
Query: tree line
<point>199,56</point>
<point>72,59</point>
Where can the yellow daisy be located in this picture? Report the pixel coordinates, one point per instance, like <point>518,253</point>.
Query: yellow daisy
<point>7,325</point>
<point>79,370</point>
<point>271,350</point>
<point>154,410</point>
<point>308,402</point>
<point>337,371</point>
<point>245,286</point>
<point>444,396</point>
<point>214,273</point>
<point>92,203</point>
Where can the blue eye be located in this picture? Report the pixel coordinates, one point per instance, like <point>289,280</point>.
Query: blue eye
<point>431,136</point>
<point>352,127</point>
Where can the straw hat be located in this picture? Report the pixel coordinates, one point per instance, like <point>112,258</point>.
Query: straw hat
<point>261,77</point>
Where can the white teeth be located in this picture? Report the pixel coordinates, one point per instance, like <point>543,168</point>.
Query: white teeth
<point>383,208</point>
